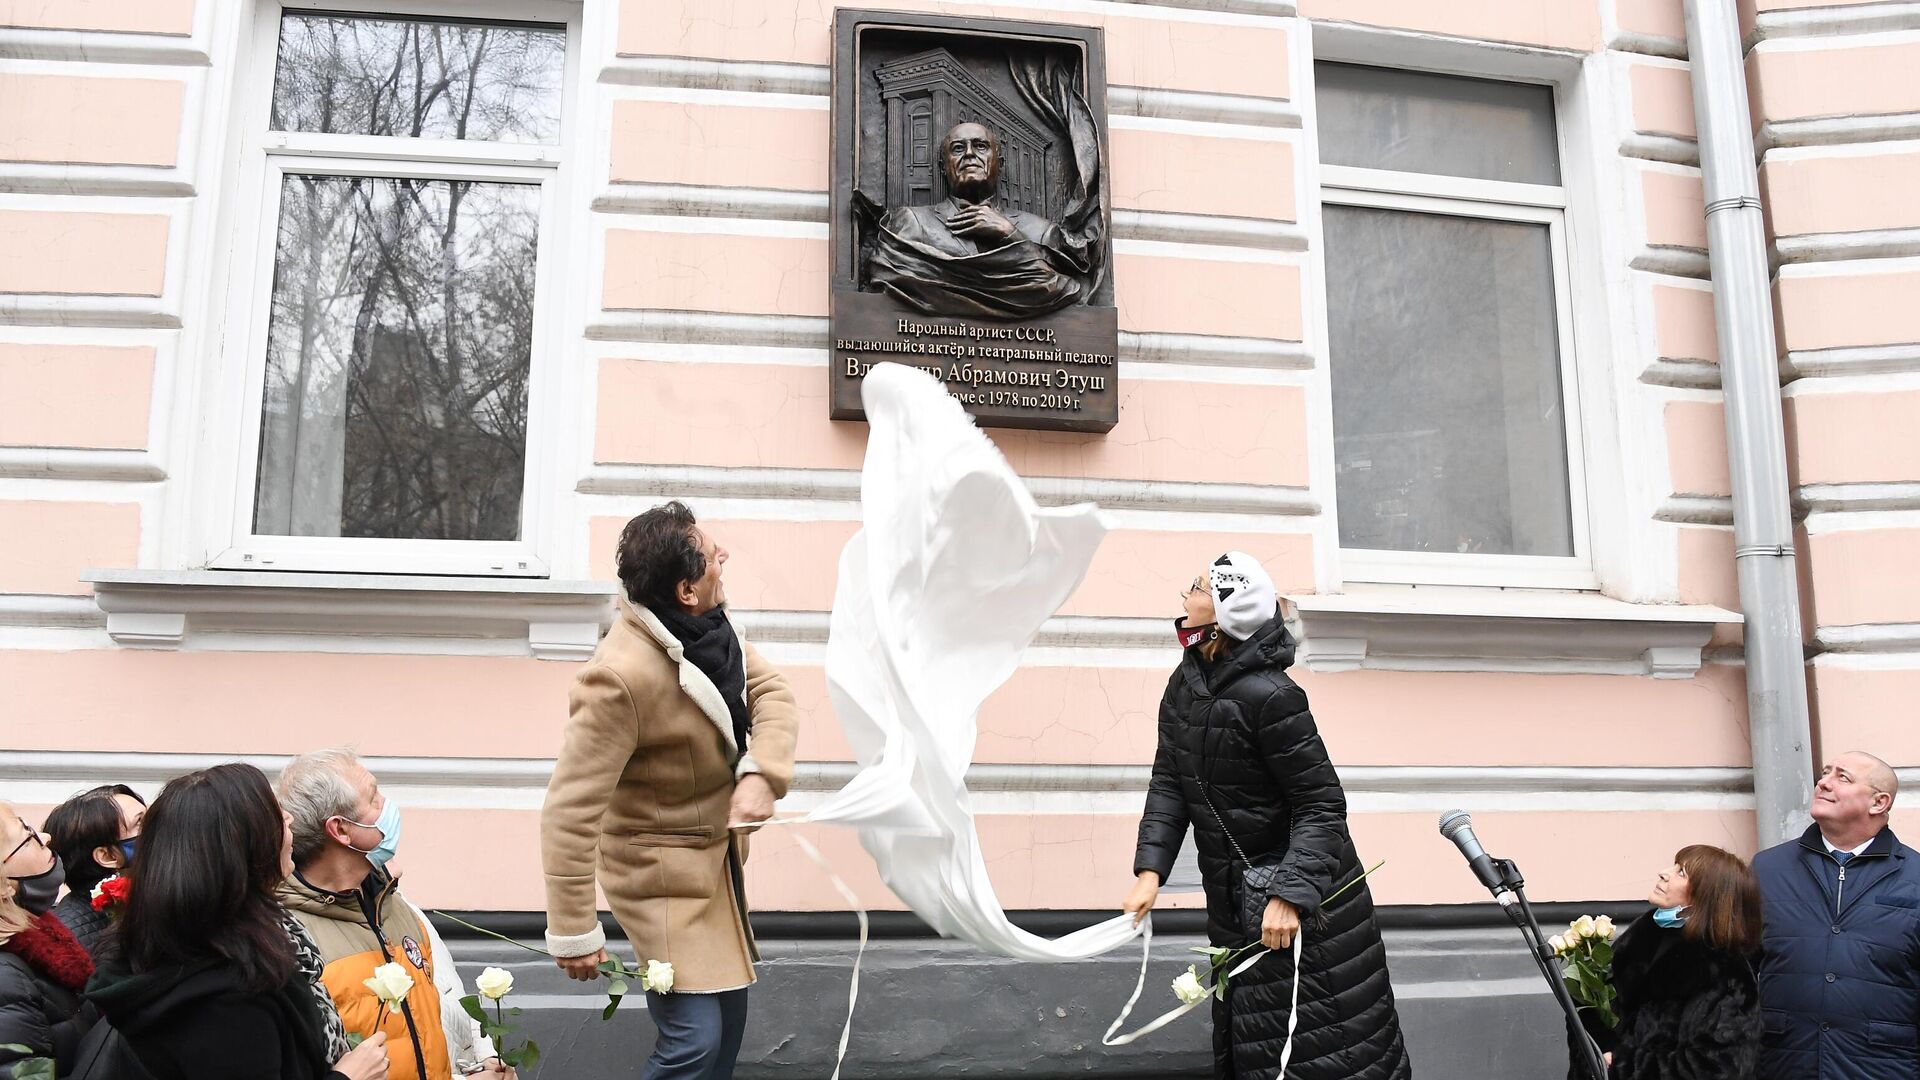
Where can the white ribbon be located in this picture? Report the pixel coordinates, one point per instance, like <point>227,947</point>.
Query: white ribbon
<point>853,987</point>
<point>1111,1038</point>
<point>1158,1022</point>
<point>853,903</point>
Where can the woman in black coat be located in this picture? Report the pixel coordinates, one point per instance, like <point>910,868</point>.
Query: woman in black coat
<point>1689,1005</point>
<point>94,834</point>
<point>203,980</point>
<point>1241,763</point>
<point>42,967</point>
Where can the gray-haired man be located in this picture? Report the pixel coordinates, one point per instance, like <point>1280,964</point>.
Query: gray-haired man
<point>1840,970</point>
<point>345,829</point>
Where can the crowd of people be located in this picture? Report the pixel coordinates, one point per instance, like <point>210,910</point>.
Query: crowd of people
<point>231,929</point>
<point>1804,965</point>
<point>225,932</point>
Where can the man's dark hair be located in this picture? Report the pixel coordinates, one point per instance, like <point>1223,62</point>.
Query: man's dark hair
<point>657,552</point>
<point>87,821</point>
<point>203,885</point>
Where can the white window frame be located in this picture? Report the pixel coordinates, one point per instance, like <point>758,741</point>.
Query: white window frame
<point>1488,200</point>
<point>266,156</point>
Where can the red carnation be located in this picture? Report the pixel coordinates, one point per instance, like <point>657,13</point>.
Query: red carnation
<point>111,893</point>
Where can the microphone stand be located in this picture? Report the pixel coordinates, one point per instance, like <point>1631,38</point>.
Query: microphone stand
<point>1512,895</point>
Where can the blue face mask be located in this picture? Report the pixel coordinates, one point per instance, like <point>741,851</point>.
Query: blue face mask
<point>127,847</point>
<point>389,825</point>
<point>1670,918</point>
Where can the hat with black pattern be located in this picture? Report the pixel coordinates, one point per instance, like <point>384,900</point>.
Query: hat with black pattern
<point>1244,599</point>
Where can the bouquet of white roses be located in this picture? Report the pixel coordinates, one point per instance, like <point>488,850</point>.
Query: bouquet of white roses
<point>1585,953</point>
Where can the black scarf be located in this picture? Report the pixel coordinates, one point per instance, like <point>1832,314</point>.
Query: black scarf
<point>709,641</point>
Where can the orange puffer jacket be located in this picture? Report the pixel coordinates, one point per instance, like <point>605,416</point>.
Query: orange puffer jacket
<point>353,942</point>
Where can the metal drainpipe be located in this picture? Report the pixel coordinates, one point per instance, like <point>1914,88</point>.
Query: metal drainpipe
<point>1756,439</point>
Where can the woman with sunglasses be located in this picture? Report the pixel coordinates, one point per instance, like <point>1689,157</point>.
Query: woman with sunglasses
<point>1240,762</point>
<point>42,968</point>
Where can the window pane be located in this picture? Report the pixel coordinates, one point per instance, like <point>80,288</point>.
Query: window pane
<point>402,327</point>
<point>1412,121</point>
<point>1449,428</point>
<point>355,75</point>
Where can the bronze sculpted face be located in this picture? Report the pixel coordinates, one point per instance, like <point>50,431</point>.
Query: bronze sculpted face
<point>972,161</point>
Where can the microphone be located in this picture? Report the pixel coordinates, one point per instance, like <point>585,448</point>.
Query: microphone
<point>1457,826</point>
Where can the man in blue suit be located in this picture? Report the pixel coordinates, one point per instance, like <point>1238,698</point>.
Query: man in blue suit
<point>1840,977</point>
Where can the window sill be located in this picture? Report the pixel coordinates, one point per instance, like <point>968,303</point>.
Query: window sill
<point>1440,628</point>
<point>170,609</point>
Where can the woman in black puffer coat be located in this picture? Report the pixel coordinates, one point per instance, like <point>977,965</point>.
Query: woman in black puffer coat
<point>1241,762</point>
<point>42,967</point>
<point>1689,1005</point>
<point>94,834</point>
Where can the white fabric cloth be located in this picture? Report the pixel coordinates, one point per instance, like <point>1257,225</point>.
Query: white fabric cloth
<point>1243,596</point>
<point>950,577</point>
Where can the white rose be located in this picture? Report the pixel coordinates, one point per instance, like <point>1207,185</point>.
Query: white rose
<point>390,983</point>
<point>1188,989</point>
<point>659,977</point>
<point>1603,927</point>
<point>495,983</point>
<point>1583,926</point>
<point>1557,943</point>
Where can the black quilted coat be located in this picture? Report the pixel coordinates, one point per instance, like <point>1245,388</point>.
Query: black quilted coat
<point>92,929</point>
<point>1687,1011</point>
<point>1239,731</point>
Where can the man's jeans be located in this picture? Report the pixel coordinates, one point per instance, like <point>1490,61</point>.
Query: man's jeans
<point>699,1035</point>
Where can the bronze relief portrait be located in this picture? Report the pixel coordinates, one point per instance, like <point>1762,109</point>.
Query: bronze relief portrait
<point>970,214</point>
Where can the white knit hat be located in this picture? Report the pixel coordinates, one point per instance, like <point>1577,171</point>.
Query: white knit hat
<point>1243,595</point>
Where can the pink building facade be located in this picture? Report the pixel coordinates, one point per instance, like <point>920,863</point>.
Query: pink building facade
<point>1415,305</point>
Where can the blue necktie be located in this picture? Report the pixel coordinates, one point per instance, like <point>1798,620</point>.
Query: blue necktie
<point>1842,856</point>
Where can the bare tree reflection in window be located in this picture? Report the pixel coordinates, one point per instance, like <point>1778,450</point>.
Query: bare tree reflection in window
<point>397,359</point>
<point>357,75</point>
<point>401,327</point>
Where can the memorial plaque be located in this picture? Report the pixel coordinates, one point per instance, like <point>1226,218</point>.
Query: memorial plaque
<point>971,225</point>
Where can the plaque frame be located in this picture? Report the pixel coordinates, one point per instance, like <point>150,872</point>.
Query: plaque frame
<point>1069,399</point>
